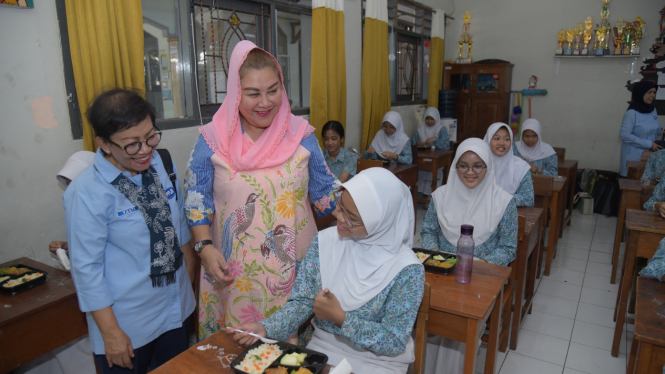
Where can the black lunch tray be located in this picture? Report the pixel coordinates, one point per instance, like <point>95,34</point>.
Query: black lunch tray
<point>436,269</point>
<point>23,286</point>
<point>314,362</point>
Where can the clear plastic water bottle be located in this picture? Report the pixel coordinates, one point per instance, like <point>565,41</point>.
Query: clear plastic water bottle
<point>465,248</point>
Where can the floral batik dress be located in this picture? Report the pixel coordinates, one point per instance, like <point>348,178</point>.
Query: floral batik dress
<point>262,222</point>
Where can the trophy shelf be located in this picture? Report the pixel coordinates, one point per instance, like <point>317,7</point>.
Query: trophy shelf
<point>597,57</point>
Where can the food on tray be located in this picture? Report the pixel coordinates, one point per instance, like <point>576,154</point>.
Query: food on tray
<point>14,271</point>
<point>302,371</point>
<point>440,261</point>
<point>422,256</point>
<point>278,370</point>
<point>256,360</point>
<point>23,279</point>
<point>293,359</point>
<point>2,279</point>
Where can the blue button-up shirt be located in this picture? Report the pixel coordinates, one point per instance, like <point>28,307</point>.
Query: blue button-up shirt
<point>109,246</point>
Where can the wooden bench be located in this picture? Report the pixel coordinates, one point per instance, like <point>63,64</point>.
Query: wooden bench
<point>635,169</point>
<point>542,189</point>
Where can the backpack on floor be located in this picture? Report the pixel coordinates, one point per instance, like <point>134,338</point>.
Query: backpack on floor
<point>606,193</point>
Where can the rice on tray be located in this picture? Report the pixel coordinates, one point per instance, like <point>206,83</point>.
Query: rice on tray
<point>258,359</point>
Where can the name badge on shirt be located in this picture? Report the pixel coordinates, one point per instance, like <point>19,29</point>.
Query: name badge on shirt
<point>127,211</point>
<point>170,193</point>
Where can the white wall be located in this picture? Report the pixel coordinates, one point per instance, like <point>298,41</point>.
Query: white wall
<point>30,156</point>
<point>586,100</point>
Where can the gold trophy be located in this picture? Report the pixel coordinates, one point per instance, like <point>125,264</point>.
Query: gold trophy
<point>465,38</point>
<point>600,37</point>
<point>578,38</point>
<point>570,34</point>
<point>619,37</point>
<point>606,49</point>
<point>587,38</point>
<point>604,13</point>
<point>561,36</point>
<point>638,24</point>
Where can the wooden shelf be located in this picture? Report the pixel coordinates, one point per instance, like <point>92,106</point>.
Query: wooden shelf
<point>594,56</point>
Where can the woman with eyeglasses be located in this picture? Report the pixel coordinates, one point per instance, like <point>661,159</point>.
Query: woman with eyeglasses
<point>129,241</point>
<point>470,197</point>
<point>361,281</point>
<point>250,178</point>
<point>390,143</point>
<point>473,197</point>
<point>540,156</point>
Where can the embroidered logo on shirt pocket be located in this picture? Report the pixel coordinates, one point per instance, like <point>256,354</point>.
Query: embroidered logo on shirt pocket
<point>127,212</point>
<point>170,193</point>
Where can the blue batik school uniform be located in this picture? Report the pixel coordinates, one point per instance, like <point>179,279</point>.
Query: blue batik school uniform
<point>346,161</point>
<point>638,131</point>
<point>109,247</point>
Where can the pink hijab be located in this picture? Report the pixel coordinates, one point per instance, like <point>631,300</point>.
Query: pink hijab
<point>224,134</point>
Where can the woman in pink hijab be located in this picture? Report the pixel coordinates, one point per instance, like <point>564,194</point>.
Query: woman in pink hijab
<point>250,176</point>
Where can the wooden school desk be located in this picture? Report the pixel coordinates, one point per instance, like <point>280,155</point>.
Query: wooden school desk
<point>408,174</point>
<point>557,206</point>
<point>208,361</point>
<point>459,311</point>
<point>645,230</point>
<point>648,348</point>
<point>433,160</point>
<point>568,169</point>
<point>527,254</point>
<point>38,320</point>
<point>635,169</point>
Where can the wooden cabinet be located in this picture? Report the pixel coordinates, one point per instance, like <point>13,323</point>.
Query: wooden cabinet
<point>483,95</point>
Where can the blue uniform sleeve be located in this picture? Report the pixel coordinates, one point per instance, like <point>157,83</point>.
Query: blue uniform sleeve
<point>300,305</point>
<point>658,196</point>
<point>656,266</point>
<point>322,182</point>
<point>416,138</point>
<point>550,165</point>
<point>524,195</point>
<point>389,336</point>
<point>199,202</point>
<point>504,251</point>
<point>405,156</point>
<point>516,152</point>
<point>626,132</point>
<point>87,221</point>
<point>351,163</point>
<point>655,165</point>
<point>431,231</point>
<point>442,140</point>
<point>367,156</point>
<point>185,235</point>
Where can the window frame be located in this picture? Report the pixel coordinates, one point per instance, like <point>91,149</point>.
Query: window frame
<point>184,10</point>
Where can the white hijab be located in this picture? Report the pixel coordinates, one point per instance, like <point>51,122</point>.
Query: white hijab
<point>395,142</point>
<point>427,132</point>
<point>482,207</point>
<point>356,270</point>
<point>508,169</point>
<point>539,151</point>
<point>74,165</point>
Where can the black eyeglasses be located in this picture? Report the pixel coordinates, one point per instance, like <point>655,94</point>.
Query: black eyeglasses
<point>349,223</point>
<point>477,169</point>
<point>133,148</point>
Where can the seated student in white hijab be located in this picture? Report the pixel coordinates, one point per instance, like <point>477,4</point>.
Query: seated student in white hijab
<point>360,280</point>
<point>540,155</point>
<point>473,197</point>
<point>431,133</point>
<point>390,143</point>
<point>510,171</point>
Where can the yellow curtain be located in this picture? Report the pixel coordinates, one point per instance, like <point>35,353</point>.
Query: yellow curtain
<point>328,78</point>
<point>375,77</point>
<point>106,42</point>
<point>437,43</point>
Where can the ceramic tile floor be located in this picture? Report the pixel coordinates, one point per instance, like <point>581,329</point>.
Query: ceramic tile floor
<point>570,330</point>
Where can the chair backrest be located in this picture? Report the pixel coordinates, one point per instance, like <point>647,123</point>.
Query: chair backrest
<point>421,332</point>
<point>645,155</point>
<point>645,195</point>
<point>366,164</point>
<point>560,153</point>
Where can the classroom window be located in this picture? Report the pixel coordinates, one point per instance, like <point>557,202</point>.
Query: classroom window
<point>187,47</point>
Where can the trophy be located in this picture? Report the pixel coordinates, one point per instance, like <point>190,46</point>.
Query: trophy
<point>600,37</point>
<point>562,38</point>
<point>570,34</point>
<point>465,38</point>
<point>638,25</point>
<point>604,13</point>
<point>606,49</point>
<point>629,33</point>
<point>619,36</point>
<point>578,38</point>
<point>587,38</point>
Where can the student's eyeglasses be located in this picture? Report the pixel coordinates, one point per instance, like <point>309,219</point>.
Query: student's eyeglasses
<point>477,169</point>
<point>133,148</point>
<point>350,224</point>
<point>389,127</point>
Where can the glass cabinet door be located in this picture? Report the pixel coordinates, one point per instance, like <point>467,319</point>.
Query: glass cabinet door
<point>460,82</point>
<point>488,83</point>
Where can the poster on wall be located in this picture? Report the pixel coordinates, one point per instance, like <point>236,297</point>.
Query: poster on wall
<point>25,4</point>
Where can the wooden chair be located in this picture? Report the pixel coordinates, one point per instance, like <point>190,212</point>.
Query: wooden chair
<point>366,164</point>
<point>421,332</point>
<point>560,153</point>
<point>645,155</point>
<point>542,189</point>
<point>635,169</point>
